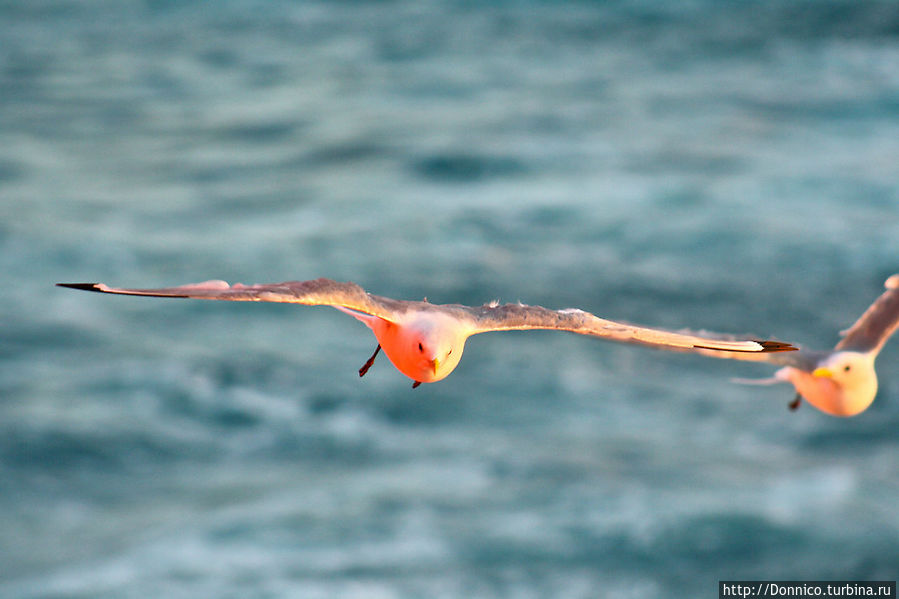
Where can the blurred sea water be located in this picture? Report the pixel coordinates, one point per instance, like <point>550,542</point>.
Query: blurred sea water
<point>699,164</point>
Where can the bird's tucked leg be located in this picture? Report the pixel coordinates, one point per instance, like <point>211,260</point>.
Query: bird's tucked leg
<point>369,362</point>
<point>416,384</point>
<point>794,405</point>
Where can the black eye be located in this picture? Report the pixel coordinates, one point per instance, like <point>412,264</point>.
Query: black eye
<point>847,368</point>
<point>449,352</point>
<point>420,347</point>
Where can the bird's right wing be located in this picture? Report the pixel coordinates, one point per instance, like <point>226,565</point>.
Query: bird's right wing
<point>879,321</point>
<point>311,293</point>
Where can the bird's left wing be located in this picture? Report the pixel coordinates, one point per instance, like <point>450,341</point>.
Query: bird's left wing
<point>311,293</point>
<point>879,321</point>
<point>512,317</point>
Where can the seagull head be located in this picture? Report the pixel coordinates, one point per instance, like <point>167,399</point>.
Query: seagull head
<point>435,359</point>
<point>853,374</point>
<point>843,383</point>
<point>435,352</point>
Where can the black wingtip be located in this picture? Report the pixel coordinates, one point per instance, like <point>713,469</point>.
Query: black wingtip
<point>775,346</point>
<point>82,286</point>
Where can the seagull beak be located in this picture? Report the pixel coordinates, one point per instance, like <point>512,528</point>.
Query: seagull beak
<point>823,373</point>
<point>435,364</point>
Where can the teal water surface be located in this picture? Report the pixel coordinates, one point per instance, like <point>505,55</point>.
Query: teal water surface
<point>705,165</point>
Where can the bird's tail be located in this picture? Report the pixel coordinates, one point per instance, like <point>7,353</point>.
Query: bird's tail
<point>769,381</point>
<point>367,319</point>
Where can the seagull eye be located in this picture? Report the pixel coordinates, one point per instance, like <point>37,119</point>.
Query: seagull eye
<point>449,352</point>
<point>847,368</point>
<point>420,347</point>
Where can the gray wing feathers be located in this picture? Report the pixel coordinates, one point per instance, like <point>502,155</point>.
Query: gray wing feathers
<point>315,292</point>
<point>521,317</point>
<point>879,321</point>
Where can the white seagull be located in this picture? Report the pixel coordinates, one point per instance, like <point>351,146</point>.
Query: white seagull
<point>842,381</point>
<point>425,341</point>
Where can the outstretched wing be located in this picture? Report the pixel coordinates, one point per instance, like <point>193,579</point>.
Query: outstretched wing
<point>517,317</point>
<point>482,319</point>
<point>311,293</point>
<point>879,321</point>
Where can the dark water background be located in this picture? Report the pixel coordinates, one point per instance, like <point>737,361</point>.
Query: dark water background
<point>719,165</point>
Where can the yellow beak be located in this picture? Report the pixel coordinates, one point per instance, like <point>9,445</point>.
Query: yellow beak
<point>436,364</point>
<point>822,372</point>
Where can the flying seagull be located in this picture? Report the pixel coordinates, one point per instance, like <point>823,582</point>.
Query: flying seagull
<point>842,381</point>
<point>424,341</point>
